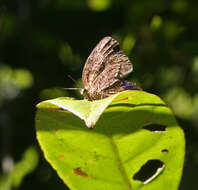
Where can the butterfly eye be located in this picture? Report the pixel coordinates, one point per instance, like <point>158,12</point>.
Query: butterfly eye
<point>83,91</point>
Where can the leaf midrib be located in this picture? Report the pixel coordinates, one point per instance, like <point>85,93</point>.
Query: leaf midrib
<point>115,150</point>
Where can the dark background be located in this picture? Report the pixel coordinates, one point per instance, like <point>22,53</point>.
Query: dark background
<point>42,41</point>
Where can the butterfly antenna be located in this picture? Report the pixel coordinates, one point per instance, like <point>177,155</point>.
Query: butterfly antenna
<point>69,76</point>
<point>72,88</point>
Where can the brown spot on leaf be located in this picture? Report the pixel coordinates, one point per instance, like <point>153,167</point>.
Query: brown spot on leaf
<point>61,156</point>
<point>62,115</point>
<point>126,98</point>
<point>146,120</point>
<point>79,172</point>
<point>51,109</point>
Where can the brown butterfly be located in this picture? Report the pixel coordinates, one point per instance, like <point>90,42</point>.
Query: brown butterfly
<point>105,69</point>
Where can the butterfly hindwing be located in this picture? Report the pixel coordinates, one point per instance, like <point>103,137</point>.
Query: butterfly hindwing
<point>105,69</point>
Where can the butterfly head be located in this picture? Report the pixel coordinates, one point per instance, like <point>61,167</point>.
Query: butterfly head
<point>84,92</point>
<point>89,95</point>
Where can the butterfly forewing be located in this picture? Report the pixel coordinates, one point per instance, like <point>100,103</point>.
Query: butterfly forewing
<point>105,69</point>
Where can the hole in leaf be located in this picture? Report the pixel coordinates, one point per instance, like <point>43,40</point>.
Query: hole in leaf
<point>165,150</point>
<point>149,171</point>
<point>79,172</point>
<point>155,127</point>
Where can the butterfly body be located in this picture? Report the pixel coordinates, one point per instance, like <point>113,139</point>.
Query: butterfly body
<point>105,69</point>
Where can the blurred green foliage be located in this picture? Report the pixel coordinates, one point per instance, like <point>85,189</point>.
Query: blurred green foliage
<point>20,169</point>
<point>99,5</point>
<point>12,81</point>
<point>43,41</point>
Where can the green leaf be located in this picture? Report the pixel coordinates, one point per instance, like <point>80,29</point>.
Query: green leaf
<point>136,142</point>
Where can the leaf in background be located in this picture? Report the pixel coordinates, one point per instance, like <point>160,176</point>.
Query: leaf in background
<point>135,143</point>
<point>25,166</point>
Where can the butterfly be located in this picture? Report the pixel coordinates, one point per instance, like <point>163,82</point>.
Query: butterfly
<point>105,70</point>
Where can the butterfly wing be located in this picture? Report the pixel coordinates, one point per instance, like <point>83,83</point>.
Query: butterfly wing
<point>105,68</point>
<point>107,52</point>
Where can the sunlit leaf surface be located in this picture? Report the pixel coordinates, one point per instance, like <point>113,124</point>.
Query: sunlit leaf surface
<point>135,143</point>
